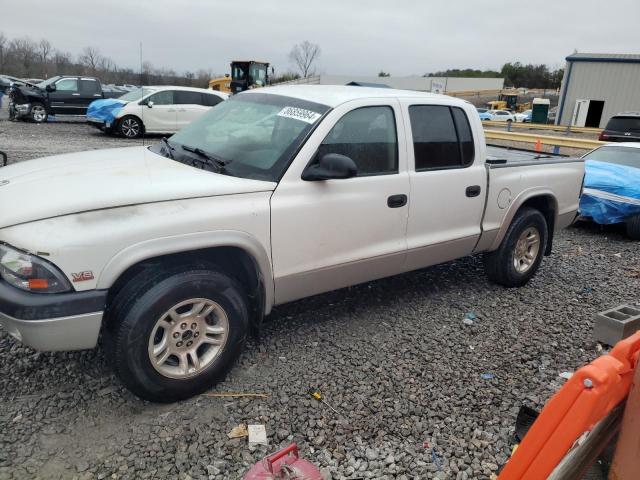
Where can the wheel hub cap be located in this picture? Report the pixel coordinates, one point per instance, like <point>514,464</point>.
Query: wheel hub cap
<point>188,338</point>
<point>526,251</point>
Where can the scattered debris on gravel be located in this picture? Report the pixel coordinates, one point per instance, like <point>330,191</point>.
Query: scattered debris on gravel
<point>421,393</point>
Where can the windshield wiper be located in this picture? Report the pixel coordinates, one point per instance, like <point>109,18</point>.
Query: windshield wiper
<point>168,147</point>
<point>215,161</point>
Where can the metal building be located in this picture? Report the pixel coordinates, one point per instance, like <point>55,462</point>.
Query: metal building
<point>596,86</point>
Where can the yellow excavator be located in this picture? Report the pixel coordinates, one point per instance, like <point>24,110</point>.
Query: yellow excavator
<point>246,74</point>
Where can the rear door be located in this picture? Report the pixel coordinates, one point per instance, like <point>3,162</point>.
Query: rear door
<point>448,182</point>
<point>66,97</point>
<point>160,116</point>
<point>189,106</point>
<point>90,90</point>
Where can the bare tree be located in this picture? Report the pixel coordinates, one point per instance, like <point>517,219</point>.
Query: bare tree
<point>90,58</point>
<point>3,44</point>
<point>304,56</point>
<point>25,51</point>
<point>45,50</point>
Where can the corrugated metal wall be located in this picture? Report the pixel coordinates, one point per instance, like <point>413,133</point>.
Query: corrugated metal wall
<point>618,84</point>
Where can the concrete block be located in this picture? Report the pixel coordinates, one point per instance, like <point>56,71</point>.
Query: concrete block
<point>617,323</point>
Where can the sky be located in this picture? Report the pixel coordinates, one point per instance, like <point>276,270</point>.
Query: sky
<point>356,37</point>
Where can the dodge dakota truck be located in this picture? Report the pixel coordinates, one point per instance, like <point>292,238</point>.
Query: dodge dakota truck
<point>174,253</point>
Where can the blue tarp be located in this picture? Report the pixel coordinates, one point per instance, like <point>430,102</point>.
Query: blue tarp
<point>105,109</point>
<point>611,192</point>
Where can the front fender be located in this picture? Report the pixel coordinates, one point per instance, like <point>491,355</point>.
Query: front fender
<point>145,250</point>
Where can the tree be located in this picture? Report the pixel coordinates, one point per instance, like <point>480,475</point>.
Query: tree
<point>382,73</point>
<point>304,56</point>
<point>3,43</point>
<point>90,58</point>
<point>24,49</point>
<point>45,50</point>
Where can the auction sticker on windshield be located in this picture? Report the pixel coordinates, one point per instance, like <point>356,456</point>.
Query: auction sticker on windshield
<point>301,114</point>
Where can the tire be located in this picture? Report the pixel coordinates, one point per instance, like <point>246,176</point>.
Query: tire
<point>130,127</point>
<point>511,264</point>
<point>138,324</point>
<point>38,113</point>
<point>633,227</point>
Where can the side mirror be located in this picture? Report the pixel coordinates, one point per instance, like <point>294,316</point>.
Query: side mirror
<point>50,88</point>
<point>331,166</point>
<point>150,104</point>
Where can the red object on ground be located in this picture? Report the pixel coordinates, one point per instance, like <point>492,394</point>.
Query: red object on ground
<point>587,397</point>
<point>285,464</point>
<point>538,146</point>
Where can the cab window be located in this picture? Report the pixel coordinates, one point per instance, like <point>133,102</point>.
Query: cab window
<point>368,136</point>
<point>67,85</point>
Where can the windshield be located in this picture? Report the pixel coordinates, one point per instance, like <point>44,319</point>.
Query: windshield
<point>627,156</point>
<point>254,135</point>
<point>137,94</point>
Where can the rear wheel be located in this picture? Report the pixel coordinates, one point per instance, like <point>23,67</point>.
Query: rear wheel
<point>521,251</point>
<point>633,227</point>
<point>175,335</point>
<point>130,127</point>
<point>38,113</point>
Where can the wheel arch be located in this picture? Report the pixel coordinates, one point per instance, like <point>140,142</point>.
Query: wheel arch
<point>238,253</point>
<point>542,200</point>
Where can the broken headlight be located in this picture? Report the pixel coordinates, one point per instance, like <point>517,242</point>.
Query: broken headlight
<point>30,272</point>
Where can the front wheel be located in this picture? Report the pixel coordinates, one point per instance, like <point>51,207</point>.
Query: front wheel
<point>518,258</point>
<point>38,113</point>
<point>130,127</point>
<point>174,337</point>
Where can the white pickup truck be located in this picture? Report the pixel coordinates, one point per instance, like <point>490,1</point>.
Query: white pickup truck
<point>175,252</point>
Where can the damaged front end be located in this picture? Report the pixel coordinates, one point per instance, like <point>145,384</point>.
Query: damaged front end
<point>22,98</point>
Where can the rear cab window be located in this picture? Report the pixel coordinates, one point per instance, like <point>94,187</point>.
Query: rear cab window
<point>442,137</point>
<point>89,86</point>
<point>624,124</point>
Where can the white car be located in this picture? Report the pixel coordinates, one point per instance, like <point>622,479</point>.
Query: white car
<point>524,116</point>
<point>176,251</point>
<point>163,109</point>
<point>502,116</point>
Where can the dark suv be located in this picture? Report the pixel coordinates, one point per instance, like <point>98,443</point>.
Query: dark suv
<point>622,127</point>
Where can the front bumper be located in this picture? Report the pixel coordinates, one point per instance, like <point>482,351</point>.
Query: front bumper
<point>21,109</point>
<point>48,322</point>
<point>99,124</point>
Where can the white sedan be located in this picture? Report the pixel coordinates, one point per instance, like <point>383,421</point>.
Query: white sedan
<point>502,116</point>
<point>162,109</point>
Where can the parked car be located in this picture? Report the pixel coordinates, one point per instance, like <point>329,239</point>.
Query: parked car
<point>524,116</point>
<point>622,127</point>
<point>111,91</point>
<point>502,116</point>
<point>612,186</point>
<point>60,95</point>
<point>176,251</point>
<point>162,109</point>
<point>486,115</point>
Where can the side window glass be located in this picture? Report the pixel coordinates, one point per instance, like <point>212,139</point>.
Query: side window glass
<point>465,136</point>
<point>368,136</point>
<point>162,98</point>
<point>183,97</point>
<point>89,87</point>
<point>435,143</point>
<point>67,85</point>
<point>211,100</point>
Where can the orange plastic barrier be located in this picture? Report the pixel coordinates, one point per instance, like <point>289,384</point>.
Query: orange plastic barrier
<point>587,397</point>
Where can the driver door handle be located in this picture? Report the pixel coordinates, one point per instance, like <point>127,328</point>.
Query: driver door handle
<point>397,201</point>
<point>473,191</point>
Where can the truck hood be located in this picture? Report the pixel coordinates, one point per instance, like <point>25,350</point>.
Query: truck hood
<point>80,182</point>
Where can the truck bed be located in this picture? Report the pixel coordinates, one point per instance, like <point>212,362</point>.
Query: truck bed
<point>513,157</point>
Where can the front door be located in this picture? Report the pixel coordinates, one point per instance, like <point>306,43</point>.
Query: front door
<point>334,233</point>
<point>580,111</point>
<point>448,183</point>
<point>66,97</point>
<point>160,116</point>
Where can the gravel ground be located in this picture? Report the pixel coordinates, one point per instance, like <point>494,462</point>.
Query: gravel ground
<point>392,356</point>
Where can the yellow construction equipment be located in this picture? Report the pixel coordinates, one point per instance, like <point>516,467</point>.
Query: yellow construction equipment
<point>497,105</point>
<point>221,84</point>
<point>246,74</point>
